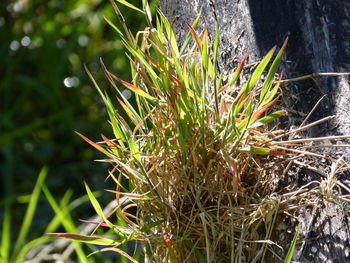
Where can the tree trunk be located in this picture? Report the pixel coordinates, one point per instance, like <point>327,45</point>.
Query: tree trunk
<point>319,33</point>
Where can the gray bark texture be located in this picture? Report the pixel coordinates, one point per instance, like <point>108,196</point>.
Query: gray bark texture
<point>319,41</point>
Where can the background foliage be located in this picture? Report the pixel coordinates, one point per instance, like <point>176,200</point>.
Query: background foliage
<point>45,95</point>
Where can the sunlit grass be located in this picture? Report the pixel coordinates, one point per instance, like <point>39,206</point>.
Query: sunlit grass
<point>203,158</point>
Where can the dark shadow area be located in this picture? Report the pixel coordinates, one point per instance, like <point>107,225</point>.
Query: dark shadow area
<point>318,42</point>
<point>317,33</point>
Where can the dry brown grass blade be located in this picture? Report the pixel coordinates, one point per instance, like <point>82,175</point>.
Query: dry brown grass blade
<point>314,75</point>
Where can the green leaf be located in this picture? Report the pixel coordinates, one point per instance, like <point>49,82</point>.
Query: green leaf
<point>28,217</point>
<point>95,240</point>
<point>65,219</point>
<point>133,172</point>
<point>130,5</point>
<point>114,26</point>
<point>133,88</point>
<point>237,72</point>
<point>170,34</point>
<point>97,206</point>
<point>188,36</point>
<point>271,74</point>
<point>289,256</point>
<point>147,9</point>
<point>216,46</point>
<point>196,38</point>
<point>267,119</point>
<point>95,145</point>
<point>205,55</point>
<point>258,71</point>
<point>260,111</point>
<point>6,235</point>
<point>260,151</point>
<point>117,250</point>
<point>269,96</point>
<point>118,132</point>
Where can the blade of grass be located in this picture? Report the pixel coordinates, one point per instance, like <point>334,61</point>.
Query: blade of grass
<point>291,249</point>
<point>66,221</point>
<point>6,235</point>
<point>188,36</point>
<point>271,74</point>
<point>272,93</point>
<point>117,250</point>
<point>95,240</point>
<point>258,71</point>
<point>118,132</point>
<point>95,145</point>
<point>196,37</point>
<point>314,75</point>
<point>32,205</point>
<point>215,55</point>
<point>97,206</point>
<point>267,119</point>
<point>99,211</point>
<point>133,88</point>
<point>238,70</point>
<point>20,257</point>
<point>130,5</point>
<point>261,151</point>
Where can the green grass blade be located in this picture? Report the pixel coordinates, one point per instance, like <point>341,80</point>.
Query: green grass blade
<point>133,172</point>
<point>130,5</point>
<point>271,74</point>
<point>267,119</point>
<point>95,240</point>
<point>28,217</point>
<point>56,221</point>
<point>289,256</point>
<point>20,257</point>
<point>238,70</point>
<point>260,151</point>
<point>258,71</point>
<point>188,36</point>
<point>152,74</point>
<point>66,221</point>
<point>99,211</point>
<point>52,226</point>
<point>134,149</point>
<point>269,96</point>
<point>170,34</point>
<point>133,88</point>
<point>97,207</point>
<point>6,235</point>
<point>216,46</point>
<point>113,26</point>
<point>147,11</point>
<point>205,55</point>
<point>118,132</point>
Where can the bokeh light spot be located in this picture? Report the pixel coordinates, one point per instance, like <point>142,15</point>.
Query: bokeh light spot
<point>83,41</point>
<point>127,94</point>
<point>14,45</point>
<point>61,43</point>
<point>71,82</point>
<point>25,41</point>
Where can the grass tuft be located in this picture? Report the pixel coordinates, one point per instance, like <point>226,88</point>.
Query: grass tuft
<point>203,158</point>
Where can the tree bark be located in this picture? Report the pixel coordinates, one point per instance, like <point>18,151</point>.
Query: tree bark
<point>319,34</point>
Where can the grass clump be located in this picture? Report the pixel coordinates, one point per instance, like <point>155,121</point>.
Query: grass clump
<point>202,158</point>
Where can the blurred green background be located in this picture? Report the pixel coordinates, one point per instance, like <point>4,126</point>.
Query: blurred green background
<point>45,95</point>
